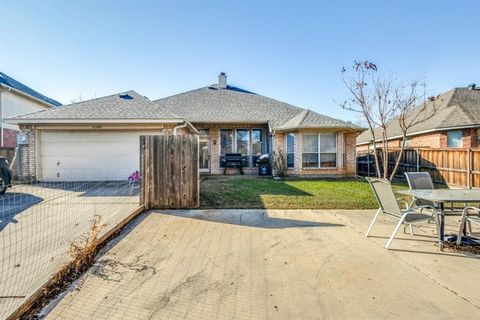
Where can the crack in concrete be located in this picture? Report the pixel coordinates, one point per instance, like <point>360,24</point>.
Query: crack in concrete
<point>165,300</point>
<point>107,269</point>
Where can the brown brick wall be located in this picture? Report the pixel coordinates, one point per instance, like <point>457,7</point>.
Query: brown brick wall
<point>351,157</point>
<point>346,164</point>
<point>9,138</point>
<point>436,140</point>
<point>475,137</point>
<point>469,138</point>
<point>431,140</point>
<point>28,157</point>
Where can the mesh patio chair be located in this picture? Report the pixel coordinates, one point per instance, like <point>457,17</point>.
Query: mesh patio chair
<point>421,181</point>
<point>467,220</point>
<point>388,204</point>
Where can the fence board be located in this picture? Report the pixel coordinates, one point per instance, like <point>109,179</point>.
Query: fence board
<point>456,167</point>
<point>170,171</point>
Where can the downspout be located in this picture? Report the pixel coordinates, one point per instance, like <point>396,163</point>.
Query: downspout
<point>183,125</point>
<point>270,153</point>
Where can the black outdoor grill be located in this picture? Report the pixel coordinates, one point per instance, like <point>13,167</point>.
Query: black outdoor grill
<point>233,160</point>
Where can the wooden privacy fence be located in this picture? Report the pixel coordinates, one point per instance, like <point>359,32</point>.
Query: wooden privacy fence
<point>170,175</point>
<point>456,167</point>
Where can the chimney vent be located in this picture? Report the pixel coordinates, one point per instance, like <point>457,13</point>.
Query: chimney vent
<point>222,80</point>
<point>472,86</point>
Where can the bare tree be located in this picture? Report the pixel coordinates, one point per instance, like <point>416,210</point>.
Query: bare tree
<point>381,101</point>
<point>371,99</point>
<point>412,109</point>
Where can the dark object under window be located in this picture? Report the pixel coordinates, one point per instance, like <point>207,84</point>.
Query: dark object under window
<point>233,160</point>
<point>263,164</point>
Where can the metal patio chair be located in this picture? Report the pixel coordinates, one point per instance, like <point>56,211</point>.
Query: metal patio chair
<point>421,181</point>
<point>467,220</point>
<point>382,189</point>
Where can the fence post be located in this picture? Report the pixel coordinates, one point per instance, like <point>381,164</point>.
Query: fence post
<point>469,159</point>
<point>418,160</point>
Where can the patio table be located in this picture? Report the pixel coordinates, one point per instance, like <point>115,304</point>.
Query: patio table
<point>441,196</point>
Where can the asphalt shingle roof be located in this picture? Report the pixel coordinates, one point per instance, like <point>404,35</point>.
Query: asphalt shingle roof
<point>212,104</point>
<point>12,83</point>
<point>204,105</point>
<point>127,105</point>
<point>458,107</point>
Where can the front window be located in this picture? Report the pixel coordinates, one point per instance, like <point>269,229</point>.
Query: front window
<point>454,139</point>
<point>290,150</point>
<point>478,137</point>
<point>319,150</point>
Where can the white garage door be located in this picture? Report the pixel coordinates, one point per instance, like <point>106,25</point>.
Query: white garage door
<point>89,156</point>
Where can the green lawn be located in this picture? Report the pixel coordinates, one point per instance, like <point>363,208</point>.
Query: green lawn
<point>253,192</point>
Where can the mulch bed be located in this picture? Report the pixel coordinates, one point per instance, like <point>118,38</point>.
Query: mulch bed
<point>468,245</point>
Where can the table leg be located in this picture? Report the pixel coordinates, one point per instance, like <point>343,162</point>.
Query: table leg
<point>442,226</point>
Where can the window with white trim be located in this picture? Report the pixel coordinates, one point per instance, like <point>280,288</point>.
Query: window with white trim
<point>290,143</point>
<point>319,150</point>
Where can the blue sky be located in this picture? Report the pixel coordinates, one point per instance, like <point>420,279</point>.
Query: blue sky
<point>288,50</point>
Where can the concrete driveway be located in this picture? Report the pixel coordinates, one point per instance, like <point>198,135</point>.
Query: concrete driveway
<point>39,222</point>
<point>276,264</point>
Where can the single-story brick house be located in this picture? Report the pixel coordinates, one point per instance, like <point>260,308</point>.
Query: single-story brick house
<point>455,124</point>
<point>99,139</point>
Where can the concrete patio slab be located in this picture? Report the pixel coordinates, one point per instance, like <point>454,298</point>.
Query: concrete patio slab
<point>257,264</point>
<point>458,272</point>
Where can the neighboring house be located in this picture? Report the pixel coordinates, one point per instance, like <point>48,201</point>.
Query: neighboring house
<point>17,99</point>
<point>455,124</point>
<point>99,139</point>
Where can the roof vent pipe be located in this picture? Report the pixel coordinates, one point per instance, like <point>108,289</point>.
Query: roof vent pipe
<point>222,80</point>
<point>472,86</point>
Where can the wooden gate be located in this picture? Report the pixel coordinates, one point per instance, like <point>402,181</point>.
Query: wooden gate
<point>170,175</point>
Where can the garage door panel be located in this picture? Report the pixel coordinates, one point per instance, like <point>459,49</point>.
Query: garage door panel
<point>80,155</point>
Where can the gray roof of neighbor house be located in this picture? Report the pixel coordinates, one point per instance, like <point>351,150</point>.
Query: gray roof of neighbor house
<point>9,82</point>
<point>212,104</point>
<point>457,108</point>
<point>122,106</point>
